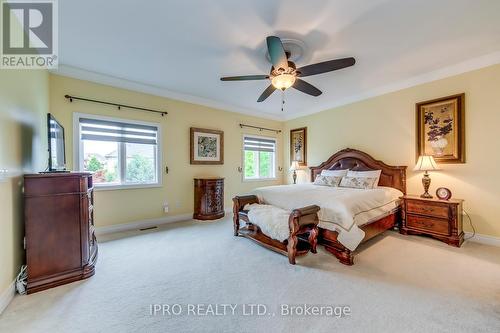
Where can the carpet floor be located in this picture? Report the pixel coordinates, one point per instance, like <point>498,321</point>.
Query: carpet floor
<point>398,284</point>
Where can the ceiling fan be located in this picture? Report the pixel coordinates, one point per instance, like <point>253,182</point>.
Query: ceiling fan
<point>284,74</point>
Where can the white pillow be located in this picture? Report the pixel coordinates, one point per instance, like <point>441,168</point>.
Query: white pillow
<point>366,174</point>
<point>359,182</point>
<point>332,181</point>
<point>335,173</point>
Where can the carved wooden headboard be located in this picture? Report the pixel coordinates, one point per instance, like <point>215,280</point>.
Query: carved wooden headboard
<point>352,159</point>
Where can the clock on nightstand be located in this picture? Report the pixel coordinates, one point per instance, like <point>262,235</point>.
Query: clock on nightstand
<point>443,193</point>
<point>437,218</point>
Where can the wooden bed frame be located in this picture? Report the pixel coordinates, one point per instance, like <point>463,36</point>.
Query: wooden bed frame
<point>302,222</point>
<point>391,176</point>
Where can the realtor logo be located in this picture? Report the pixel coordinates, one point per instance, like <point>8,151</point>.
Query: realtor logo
<point>29,34</point>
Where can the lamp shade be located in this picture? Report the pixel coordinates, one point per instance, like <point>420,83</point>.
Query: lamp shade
<point>426,163</point>
<point>295,166</point>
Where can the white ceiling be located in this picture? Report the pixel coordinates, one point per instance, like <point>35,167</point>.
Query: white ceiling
<point>181,48</point>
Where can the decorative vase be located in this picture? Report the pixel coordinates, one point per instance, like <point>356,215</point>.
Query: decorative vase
<point>438,145</point>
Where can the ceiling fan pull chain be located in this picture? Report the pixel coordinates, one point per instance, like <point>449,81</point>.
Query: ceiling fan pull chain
<point>282,100</point>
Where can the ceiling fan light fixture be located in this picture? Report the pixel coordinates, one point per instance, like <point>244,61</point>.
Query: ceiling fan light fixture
<point>283,81</point>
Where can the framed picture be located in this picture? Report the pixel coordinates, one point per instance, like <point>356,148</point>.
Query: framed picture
<point>441,129</point>
<point>207,146</point>
<point>298,145</point>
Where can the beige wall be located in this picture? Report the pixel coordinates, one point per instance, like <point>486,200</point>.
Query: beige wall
<point>23,107</point>
<point>128,205</point>
<point>384,127</point>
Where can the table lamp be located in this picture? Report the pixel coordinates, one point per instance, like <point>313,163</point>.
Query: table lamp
<point>295,166</point>
<point>426,163</point>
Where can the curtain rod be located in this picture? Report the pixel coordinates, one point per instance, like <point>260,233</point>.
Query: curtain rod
<point>260,128</point>
<point>71,98</point>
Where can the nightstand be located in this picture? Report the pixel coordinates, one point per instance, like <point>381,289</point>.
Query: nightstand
<point>440,219</point>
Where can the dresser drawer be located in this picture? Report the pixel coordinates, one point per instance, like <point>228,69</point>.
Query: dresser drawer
<point>433,225</point>
<point>427,208</point>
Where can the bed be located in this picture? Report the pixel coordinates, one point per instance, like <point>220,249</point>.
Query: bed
<point>371,212</point>
<point>391,176</point>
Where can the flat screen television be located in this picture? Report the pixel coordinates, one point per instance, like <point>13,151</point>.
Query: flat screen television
<point>57,157</point>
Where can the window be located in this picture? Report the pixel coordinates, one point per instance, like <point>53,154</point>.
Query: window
<point>120,153</point>
<point>259,158</point>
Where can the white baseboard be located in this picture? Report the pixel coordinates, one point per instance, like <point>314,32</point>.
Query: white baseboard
<point>7,296</point>
<point>483,239</point>
<point>148,223</point>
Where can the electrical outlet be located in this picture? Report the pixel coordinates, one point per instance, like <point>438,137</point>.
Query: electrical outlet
<point>165,207</point>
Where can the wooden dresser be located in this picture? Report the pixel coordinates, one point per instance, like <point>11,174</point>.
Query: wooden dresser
<point>60,243</point>
<point>208,198</point>
<point>441,219</point>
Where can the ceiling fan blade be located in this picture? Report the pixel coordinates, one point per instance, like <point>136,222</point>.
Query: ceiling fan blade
<point>276,52</point>
<point>244,78</point>
<point>325,66</point>
<point>306,87</point>
<point>269,90</point>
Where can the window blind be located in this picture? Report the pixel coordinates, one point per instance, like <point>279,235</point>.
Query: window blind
<point>259,144</point>
<point>105,130</point>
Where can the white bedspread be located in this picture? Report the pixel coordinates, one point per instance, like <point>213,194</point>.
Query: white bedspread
<point>342,209</point>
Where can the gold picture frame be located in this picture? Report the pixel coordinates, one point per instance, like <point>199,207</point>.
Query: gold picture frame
<point>298,145</point>
<point>441,129</point>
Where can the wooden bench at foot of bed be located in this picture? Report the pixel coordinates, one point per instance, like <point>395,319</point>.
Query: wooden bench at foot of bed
<point>303,224</point>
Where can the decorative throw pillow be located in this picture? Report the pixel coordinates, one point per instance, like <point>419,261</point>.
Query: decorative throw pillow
<point>366,174</point>
<point>335,173</point>
<point>327,180</point>
<point>358,182</point>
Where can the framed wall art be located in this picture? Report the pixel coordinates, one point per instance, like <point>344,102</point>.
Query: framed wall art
<point>441,129</point>
<point>298,145</point>
<point>207,146</point>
